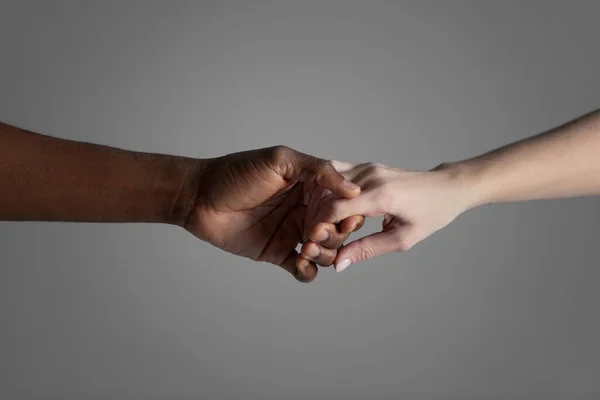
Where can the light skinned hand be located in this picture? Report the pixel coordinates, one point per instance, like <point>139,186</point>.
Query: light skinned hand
<point>415,204</point>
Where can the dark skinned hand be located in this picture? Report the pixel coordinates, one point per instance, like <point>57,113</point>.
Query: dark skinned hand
<point>254,203</point>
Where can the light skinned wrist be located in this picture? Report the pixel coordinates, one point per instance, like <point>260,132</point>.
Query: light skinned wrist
<point>468,178</point>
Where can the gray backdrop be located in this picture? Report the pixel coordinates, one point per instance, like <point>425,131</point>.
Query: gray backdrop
<point>502,304</point>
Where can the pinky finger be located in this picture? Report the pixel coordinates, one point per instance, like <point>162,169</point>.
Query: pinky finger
<point>302,269</point>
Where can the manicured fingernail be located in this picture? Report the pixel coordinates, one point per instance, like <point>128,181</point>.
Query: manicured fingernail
<point>342,265</point>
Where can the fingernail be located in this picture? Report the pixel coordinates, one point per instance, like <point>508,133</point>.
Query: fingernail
<point>342,265</point>
<point>351,185</point>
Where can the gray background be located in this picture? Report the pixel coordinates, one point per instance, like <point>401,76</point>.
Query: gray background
<point>501,304</point>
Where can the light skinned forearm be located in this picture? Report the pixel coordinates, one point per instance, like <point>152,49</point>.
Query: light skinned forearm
<point>43,178</point>
<point>563,162</point>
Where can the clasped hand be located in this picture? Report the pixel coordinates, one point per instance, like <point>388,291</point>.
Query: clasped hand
<point>261,204</point>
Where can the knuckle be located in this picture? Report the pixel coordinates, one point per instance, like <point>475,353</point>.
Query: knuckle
<point>319,232</point>
<point>280,153</point>
<point>324,169</point>
<point>334,241</point>
<point>373,169</point>
<point>366,252</point>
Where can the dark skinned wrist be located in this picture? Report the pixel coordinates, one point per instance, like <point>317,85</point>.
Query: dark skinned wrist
<point>190,175</point>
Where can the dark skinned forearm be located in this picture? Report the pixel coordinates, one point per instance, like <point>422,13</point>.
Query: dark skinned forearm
<point>44,178</point>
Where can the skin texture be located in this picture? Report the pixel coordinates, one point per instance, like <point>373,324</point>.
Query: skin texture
<point>560,163</point>
<point>250,203</point>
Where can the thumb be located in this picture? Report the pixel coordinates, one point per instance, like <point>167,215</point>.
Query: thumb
<point>387,241</point>
<point>297,166</point>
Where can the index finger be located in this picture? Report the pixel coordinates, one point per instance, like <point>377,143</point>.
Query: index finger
<point>294,165</point>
